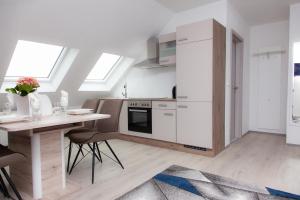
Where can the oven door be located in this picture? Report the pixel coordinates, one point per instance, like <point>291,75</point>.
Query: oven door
<point>140,120</point>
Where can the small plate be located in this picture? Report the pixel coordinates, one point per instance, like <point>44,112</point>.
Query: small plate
<point>81,111</point>
<point>12,118</point>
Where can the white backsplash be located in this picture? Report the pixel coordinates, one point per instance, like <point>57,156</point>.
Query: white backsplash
<point>147,83</point>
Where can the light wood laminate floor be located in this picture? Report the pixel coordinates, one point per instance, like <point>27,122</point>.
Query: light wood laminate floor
<point>259,159</point>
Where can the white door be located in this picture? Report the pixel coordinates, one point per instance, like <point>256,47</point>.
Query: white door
<point>194,71</point>
<point>269,92</point>
<point>194,124</point>
<point>164,125</point>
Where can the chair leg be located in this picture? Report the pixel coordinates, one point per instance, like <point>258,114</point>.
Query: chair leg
<point>114,154</point>
<point>12,185</point>
<point>98,158</point>
<point>3,187</point>
<point>80,149</point>
<point>69,156</point>
<point>93,167</point>
<point>78,152</point>
<point>99,152</point>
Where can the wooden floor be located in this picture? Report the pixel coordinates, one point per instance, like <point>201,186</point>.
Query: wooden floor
<point>259,159</point>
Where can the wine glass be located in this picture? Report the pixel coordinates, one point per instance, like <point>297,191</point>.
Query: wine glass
<point>64,103</point>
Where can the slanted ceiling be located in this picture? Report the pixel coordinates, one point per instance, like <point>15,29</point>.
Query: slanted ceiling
<point>115,26</point>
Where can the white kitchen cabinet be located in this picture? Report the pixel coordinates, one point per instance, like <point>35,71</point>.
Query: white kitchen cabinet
<point>194,73</point>
<point>198,31</point>
<point>164,125</point>
<point>167,49</point>
<point>200,82</point>
<point>194,124</point>
<point>169,105</point>
<point>123,120</point>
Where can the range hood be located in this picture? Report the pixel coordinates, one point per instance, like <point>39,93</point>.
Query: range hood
<point>152,60</point>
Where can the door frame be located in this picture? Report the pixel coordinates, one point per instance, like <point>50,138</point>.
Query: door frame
<point>236,126</point>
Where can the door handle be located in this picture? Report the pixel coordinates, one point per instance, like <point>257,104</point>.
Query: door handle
<point>162,105</point>
<point>182,106</point>
<point>182,39</point>
<point>168,114</point>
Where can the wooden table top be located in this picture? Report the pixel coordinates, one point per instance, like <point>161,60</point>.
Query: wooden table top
<point>49,121</point>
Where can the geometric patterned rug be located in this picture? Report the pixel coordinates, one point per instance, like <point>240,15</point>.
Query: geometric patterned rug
<point>179,183</point>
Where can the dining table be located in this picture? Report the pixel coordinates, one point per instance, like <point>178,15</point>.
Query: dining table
<point>42,143</point>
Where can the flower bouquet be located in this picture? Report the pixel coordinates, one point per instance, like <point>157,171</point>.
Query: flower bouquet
<point>24,87</point>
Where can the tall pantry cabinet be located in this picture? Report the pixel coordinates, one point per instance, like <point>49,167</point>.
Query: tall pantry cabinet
<point>200,75</point>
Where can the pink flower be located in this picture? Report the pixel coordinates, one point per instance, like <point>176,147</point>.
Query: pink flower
<point>28,81</point>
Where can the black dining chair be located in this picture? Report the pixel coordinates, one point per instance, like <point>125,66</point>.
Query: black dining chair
<point>88,104</point>
<point>8,157</point>
<point>104,130</point>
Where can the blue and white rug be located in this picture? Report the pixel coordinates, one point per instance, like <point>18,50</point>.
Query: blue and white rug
<point>178,183</point>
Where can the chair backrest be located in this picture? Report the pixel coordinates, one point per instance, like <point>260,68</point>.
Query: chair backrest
<point>8,157</point>
<point>112,107</point>
<point>91,104</point>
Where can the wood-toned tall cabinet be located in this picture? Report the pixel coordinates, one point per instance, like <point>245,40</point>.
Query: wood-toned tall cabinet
<point>200,75</point>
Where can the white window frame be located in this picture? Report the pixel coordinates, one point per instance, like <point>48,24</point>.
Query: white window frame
<point>50,84</point>
<point>111,80</point>
<point>112,69</point>
<point>53,71</point>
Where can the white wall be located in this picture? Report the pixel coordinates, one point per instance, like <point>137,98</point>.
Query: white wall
<point>94,26</point>
<point>293,129</point>
<point>273,35</point>
<point>143,83</point>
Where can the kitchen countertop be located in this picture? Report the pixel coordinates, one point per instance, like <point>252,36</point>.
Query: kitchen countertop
<point>150,99</point>
<point>144,99</point>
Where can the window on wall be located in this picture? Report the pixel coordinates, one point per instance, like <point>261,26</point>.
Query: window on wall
<point>104,66</point>
<point>34,59</point>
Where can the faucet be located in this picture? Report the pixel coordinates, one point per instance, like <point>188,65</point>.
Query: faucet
<point>124,94</point>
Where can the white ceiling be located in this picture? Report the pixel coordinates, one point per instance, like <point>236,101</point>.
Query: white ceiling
<point>181,5</point>
<point>254,11</point>
<point>263,11</point>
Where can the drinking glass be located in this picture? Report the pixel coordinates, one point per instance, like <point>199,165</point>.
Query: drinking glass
<point>7,108</point>
<point>57,109</point>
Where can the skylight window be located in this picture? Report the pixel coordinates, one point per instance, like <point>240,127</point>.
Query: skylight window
<point>103,67</point>
<point>33,59</point>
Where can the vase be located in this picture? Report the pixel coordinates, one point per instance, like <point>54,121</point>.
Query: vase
<point>22,105</point>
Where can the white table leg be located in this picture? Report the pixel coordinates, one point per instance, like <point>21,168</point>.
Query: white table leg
<point>63,164</point>
<point>36,166</point>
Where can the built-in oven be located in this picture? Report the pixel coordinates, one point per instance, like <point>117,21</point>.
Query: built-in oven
<point>140,116</point>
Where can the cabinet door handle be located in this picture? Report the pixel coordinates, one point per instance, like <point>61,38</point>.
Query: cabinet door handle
<point>168,114</point>
<point>162,105</point>
<point>182,39</point>
<point>138,111</point>
<point>182,97</point>
<point>182,106</point>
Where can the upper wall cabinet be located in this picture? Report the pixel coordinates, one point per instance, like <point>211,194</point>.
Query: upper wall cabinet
<point>167,49</point>
<point>194,32</point>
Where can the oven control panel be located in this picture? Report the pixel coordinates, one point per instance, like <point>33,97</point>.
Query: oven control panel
<point>140,104</point>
